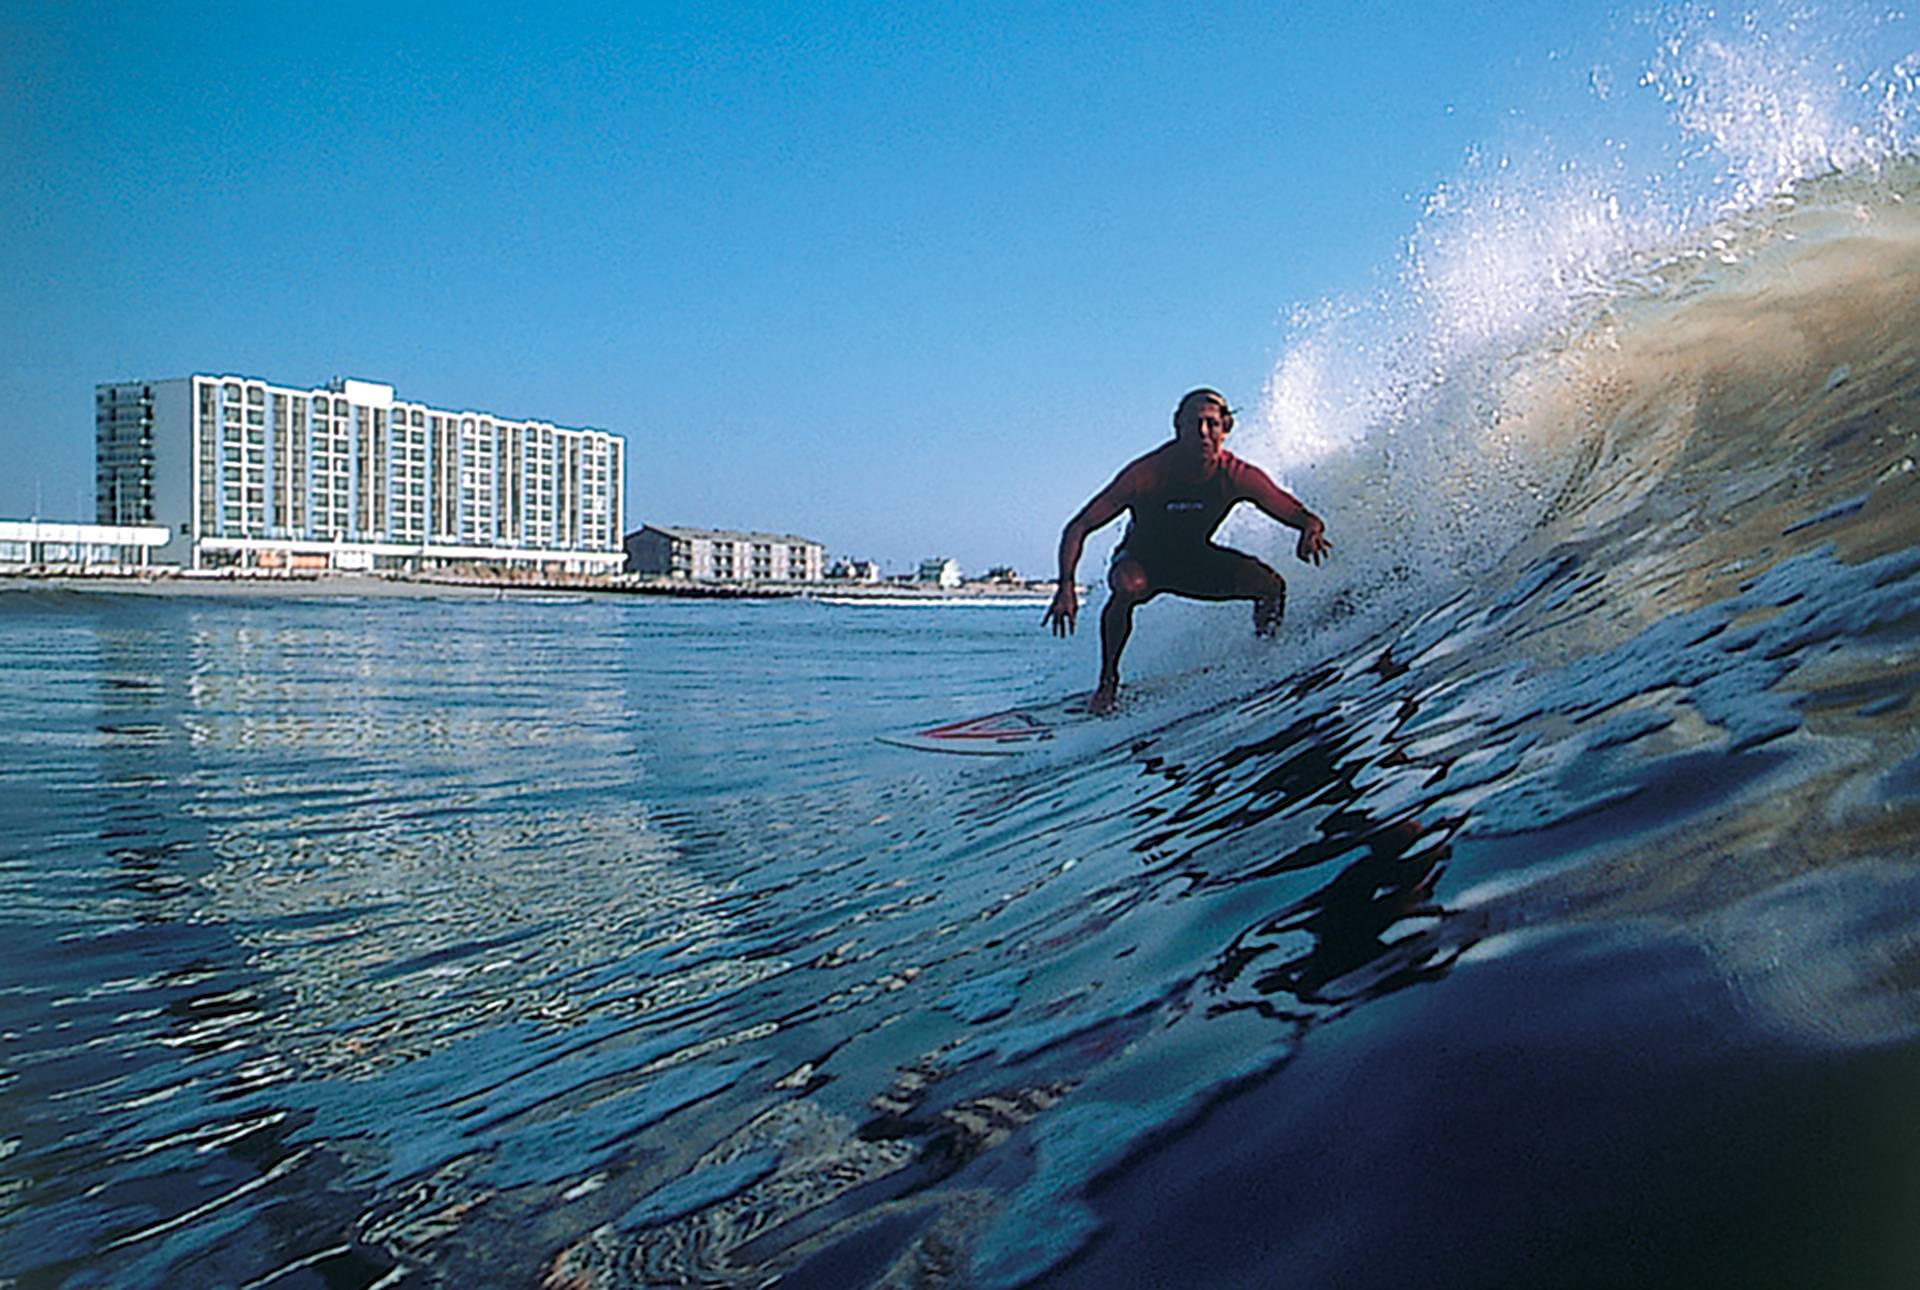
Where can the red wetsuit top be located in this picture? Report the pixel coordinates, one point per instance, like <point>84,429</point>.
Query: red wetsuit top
<point>1175,516</point>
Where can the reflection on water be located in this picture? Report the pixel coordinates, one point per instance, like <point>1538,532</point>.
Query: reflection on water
<point>331,922</point>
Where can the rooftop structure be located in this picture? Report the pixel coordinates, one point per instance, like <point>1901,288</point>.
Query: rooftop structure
<point>243,472</point>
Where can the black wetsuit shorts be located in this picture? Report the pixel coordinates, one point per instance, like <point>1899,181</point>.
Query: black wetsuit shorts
<point>1206,572</point>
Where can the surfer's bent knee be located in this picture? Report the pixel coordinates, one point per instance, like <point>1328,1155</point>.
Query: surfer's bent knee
<point>1128,578</point>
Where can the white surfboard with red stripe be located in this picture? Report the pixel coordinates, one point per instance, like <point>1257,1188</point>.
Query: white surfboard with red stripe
<point>1158,699</point>
<point>997,734</point>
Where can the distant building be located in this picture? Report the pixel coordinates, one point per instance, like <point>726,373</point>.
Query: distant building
<point>867,571</point>
<point>939,571</point>
<point>724,555</point>
<point>243,472</point>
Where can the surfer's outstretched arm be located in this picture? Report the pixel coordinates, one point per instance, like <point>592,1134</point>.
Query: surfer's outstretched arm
<point>1285,507</point>
<point>1095,515</point>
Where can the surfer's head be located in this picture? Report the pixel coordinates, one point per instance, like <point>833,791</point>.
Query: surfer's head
<point>1204,420</point>
<point>1193,401</point>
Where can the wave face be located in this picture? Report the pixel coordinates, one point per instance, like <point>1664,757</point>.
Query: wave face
<point>1439,415</point>
<point>1541,912</point>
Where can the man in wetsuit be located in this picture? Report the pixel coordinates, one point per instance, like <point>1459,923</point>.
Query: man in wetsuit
<point>1179,493</point>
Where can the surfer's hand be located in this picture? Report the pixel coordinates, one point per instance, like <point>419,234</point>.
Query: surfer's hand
<point>1064,609</point>
<point>1314,546</point>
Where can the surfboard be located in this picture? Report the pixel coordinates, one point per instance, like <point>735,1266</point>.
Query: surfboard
<point>1034,725</point>
<point>997,734</point>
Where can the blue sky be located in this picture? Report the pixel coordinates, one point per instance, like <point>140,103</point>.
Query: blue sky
<point>910,279</point>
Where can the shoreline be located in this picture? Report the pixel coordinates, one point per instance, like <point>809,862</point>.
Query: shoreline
<point>331,585</point>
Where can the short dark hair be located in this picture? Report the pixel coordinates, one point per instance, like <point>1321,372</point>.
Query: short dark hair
<point>1191,398</point>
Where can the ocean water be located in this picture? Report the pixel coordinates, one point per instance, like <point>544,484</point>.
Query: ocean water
<point>1561,928</point>
<point>1542,909</point>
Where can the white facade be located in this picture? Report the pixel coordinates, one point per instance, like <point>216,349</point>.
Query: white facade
<point>245,472</point>
<point>40,543</point>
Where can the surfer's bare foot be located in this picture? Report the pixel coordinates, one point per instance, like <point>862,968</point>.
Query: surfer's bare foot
<point>1104,700</point>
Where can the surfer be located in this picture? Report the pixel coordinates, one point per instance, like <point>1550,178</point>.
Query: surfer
<point>1178,494</point>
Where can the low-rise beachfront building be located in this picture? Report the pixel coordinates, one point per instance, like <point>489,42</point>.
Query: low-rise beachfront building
<point>723,555</point>
<point>939,572</point>
<point>865,572</point>
<point>246,473</point>
<point>53,544</point>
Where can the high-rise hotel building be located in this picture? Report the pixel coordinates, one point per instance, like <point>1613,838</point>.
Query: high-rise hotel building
<point>243,472</point>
